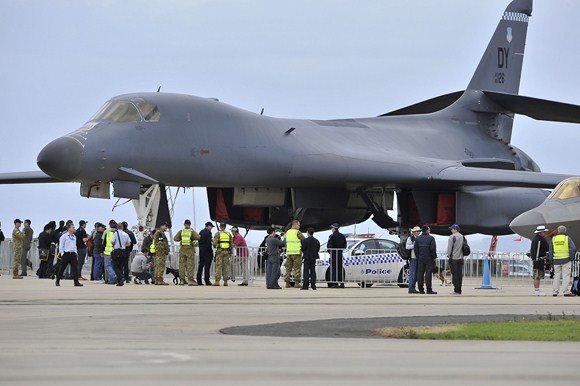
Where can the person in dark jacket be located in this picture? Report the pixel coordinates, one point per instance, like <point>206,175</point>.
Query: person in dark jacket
<point>98,248</point>
<point>336,244</point>
<point>539,254</point>
<point>44,240</point>
<point>310,249</point>
<point>128,251</point>
<point>426,252</point>
<point>205,254</point>
<point>82,238</point>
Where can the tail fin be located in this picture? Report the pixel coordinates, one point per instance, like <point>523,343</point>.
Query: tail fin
<point>500,67</point>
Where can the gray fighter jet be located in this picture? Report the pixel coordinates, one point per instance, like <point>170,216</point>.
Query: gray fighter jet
<point>562,207</point>
<point>448,159</point>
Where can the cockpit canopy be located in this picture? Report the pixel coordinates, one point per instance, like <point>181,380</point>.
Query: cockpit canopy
<point>569,188</point>
<point>133,110</point>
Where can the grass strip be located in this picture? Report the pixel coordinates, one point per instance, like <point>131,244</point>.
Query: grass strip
<point>558,330</point>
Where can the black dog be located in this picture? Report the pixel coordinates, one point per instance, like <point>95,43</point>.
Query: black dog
<point>175,273</point>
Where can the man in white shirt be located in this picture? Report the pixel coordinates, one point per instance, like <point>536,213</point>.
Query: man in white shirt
<point>67,247</point>
<point>410,244</point>
<point>120,241</point>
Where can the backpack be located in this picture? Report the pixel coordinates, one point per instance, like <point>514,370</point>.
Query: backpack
<point>403,251</point>
<point>465,248</point>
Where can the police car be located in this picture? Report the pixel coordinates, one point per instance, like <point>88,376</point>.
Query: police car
<point>366,261</point>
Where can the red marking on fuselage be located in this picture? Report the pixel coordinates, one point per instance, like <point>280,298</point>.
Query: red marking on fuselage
<point>203,152</point>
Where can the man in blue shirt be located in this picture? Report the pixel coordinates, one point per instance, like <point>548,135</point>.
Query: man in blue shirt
<point>67,246</point>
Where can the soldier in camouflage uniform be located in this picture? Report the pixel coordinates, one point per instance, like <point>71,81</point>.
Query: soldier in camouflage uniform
<point>18,240</point>
<point>222,241</point>
<point>188,239</point>
<point>161,250</point>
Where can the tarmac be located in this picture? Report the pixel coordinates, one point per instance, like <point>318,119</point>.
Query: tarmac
<point>144,335</point>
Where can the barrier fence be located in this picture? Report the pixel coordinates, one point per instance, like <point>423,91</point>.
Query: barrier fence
<point>365,268</point>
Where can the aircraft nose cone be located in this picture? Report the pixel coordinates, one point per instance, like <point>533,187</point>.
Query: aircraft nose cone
<point>525,224</point>
<point>62,158</point>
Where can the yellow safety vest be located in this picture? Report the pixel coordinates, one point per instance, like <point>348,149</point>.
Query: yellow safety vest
<point>561,247</point>
<point>224,240</point>
<point>186,237</point>
<point>152,247</point>
<point>109,242</point>
<point>293,243</point>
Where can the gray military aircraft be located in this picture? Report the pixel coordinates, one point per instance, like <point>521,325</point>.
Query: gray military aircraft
<point>448,159</point>
<point>562,207</point>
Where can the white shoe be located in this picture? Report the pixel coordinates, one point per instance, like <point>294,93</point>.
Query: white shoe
<point>539,293</point>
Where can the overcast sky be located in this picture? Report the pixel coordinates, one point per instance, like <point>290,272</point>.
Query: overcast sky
<point>62,59</point>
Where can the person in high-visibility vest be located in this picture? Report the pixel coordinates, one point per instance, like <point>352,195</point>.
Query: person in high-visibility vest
<point>222,241</point>
<point>562,250</point>
<point>110,276</point>
<point>293,254</point>
<point>187,238</point>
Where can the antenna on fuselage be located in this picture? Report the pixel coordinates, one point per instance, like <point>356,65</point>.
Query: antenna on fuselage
<point>159,89</point>
<point>262,112</point>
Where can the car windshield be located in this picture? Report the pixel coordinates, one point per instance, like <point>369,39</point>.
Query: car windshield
<point>136,110</point>
<point>568,189</point>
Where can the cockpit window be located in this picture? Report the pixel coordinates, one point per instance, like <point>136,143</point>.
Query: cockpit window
<point>136,110</point>
<point>121,112</point>
<point>568,189</point>
<point>149,111</point>
<point>101,111</point>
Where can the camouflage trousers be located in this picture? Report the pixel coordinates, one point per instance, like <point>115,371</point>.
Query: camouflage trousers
<point>186,263</point>
<point>160,260</point>
<point>222,265</point>
<point>17,261</point>
<point>294,267</point>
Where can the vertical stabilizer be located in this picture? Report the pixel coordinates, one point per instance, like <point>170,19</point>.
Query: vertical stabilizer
<point>500,67</point>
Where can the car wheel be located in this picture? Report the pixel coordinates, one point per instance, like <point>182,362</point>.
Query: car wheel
<point>403,280</point>
<point>365,284</point>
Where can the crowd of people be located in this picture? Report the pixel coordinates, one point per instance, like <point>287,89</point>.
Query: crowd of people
<point>63,251</point>
<point>555,250</point>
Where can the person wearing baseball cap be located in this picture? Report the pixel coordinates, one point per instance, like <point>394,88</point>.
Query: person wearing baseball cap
<point>222,241</point>
<point>82,238</point>
<point>161,246</point>
<point>455,255</point>
<point>205,254</point>
<point>18,247</point>
<point>187,239</point>
<point>336,244</point>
